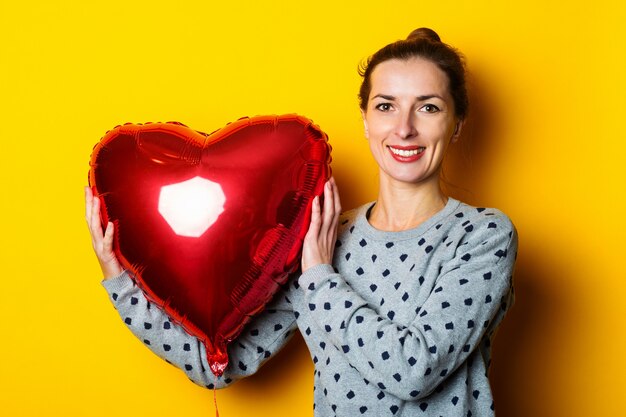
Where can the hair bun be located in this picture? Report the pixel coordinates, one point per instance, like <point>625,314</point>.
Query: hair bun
<point>424,33</point>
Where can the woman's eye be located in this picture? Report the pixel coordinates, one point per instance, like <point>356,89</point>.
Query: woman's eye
<point>383,107</point>
<point>430,108</point>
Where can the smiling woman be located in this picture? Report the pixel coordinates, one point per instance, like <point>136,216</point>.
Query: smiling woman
<point>399,299</point>
<point>413,101</point>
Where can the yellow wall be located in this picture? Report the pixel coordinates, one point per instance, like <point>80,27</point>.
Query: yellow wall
<point>547,147</point>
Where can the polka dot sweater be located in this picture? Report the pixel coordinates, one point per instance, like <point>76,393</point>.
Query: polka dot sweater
<point>400,326</point>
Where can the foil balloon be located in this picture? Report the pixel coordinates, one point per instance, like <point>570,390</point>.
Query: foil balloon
<point>211,224</point>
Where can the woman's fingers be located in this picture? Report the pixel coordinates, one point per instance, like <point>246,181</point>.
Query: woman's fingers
<point>319,242</point>
<point>337,202</point>
<point>107,242</point>
<point>102,243</point>
<point>95,226</point>
<point>314,226</point>
<point>332,210</point>
<point>329,209</point>
<point>88,203</point>
<point>316,218</point>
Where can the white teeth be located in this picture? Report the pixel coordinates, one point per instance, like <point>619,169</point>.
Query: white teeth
<point>406,153</point>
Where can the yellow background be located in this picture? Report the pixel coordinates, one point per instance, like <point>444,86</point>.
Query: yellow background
<point>546,146</point>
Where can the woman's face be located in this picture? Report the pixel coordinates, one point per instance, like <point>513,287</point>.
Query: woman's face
<point>409,119</point>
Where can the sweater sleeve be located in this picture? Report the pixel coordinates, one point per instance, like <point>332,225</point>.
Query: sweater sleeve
<point>469,299</point>
<point>262,337</point>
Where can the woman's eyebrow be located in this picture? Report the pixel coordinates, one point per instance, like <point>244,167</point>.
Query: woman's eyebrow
<point>428,97</point>
<point>419,98</point>
<point>384,96</point>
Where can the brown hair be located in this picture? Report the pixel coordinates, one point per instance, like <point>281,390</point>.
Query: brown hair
<point>421,43</point>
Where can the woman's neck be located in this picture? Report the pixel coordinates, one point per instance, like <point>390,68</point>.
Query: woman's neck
<point>402,206</point>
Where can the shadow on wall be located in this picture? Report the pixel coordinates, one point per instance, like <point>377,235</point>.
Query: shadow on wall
<point>523,376</point>
<point>466,169</point>
<point>521,367</point>
<point>531,353</point>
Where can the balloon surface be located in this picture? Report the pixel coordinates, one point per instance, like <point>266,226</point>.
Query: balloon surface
<point>211,224</point>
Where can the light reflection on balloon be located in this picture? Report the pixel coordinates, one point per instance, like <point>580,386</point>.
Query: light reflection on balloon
<point>191,207</point>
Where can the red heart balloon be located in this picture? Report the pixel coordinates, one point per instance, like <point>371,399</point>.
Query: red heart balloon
<point>211,225</point>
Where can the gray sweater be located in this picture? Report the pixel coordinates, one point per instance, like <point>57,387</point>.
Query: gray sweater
<point>401,326</point>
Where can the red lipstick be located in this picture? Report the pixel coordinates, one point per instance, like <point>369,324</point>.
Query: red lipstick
<point>406,153</point>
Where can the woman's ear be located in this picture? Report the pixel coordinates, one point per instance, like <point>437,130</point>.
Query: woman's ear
<point>367,133</point>
<point>457,130</point>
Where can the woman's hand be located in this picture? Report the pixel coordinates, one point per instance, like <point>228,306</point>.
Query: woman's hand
<point>319,242</point>
<point>102,244</point>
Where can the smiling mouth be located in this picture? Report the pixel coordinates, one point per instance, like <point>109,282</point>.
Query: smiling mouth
<point>407,152</point>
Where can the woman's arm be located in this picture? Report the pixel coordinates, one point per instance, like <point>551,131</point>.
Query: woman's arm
<point>261,338</point>
<point>472,293</point>
<point>409,362</point>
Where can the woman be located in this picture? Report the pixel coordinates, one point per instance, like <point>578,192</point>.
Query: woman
<point>402,324</point>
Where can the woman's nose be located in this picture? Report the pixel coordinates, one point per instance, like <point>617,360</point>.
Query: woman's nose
<point>405,125</point>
